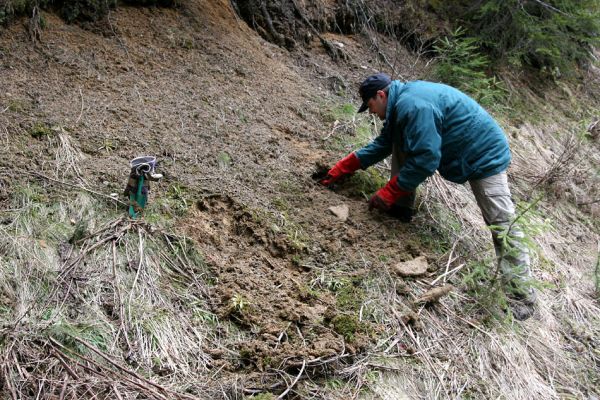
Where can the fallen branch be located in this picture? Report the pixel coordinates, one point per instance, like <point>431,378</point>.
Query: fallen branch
<point>282,395</point>
<point>76,187</point>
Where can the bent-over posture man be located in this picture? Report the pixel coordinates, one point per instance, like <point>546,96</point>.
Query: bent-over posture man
<point>428,127</point>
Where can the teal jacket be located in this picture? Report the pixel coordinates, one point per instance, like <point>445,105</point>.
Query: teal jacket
<point>438,127</point>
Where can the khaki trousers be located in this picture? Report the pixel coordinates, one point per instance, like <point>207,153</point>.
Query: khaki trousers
<point>494,200</point>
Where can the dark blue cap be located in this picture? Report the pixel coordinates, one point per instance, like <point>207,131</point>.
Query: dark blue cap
<point>370,87</point>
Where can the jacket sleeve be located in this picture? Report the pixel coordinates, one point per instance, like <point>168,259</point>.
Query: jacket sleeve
<point>377,150</point>
<point>422,144</point>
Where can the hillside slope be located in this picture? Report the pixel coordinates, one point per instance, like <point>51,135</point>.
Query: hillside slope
<point>239,281</point>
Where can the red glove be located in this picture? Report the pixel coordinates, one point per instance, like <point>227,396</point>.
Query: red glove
<point>345,166</point>
<point>387,196</point>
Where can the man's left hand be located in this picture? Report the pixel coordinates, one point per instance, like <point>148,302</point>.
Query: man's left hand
<point>387,196</point>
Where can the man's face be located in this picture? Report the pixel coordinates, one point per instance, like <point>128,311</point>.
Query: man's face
<point>378,104</point>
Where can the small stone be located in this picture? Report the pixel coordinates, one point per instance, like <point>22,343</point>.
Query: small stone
<point>340,211</point>
<point>415,267</point>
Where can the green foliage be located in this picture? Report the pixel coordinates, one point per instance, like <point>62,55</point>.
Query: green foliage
<point>480,282</point>
<point>178,194</point>
<point>484,279</point>
<point>66,333</point>
<point>552,37</point>
<point>294,233</point>
<point>463,66</point>
<point>86,10</point>
<point>262,396</point>
<point>328,282</point>
<point>224,160</point>
<point>238,304</point>
<point>349,130</point>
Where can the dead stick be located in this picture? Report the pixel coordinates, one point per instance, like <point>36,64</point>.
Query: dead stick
<point>282,395</point>
<point>76,187</point>
<point>66,366</point>
<point>64,387</point>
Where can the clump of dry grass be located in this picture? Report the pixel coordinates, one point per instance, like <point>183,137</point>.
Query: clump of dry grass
<point>113,309</point>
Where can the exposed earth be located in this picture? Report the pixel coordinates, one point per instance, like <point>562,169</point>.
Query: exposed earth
<point>281,286</point>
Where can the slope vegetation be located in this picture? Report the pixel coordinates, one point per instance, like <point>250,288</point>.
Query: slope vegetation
<point>239,281</point>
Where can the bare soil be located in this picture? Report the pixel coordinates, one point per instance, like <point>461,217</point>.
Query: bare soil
<point>237,124</point>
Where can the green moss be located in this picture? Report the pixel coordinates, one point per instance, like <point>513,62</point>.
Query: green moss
<point>347,326</point>
<point>349,297</point>
<point>366,183</point>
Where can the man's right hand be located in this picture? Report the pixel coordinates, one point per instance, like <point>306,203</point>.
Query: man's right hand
<point>345,166</point>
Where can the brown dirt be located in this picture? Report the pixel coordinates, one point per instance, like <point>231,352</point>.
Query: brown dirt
<point>234,120</point>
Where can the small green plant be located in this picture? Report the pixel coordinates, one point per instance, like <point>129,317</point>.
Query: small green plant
<point>178,197</point>
<point>17,105</point>
<point>108,145</point>
<point>67,332</point>
<point>328,282</point>
<point>205,317</point>
<point>294,233</point>
<point>262,396</point>
<point>224,160</point>
<point>349,130</point>
<point>334,384</point>
<point>349,296</point>
<point>40,130</point>
<point>491,281</point>
<point>342,113</point>
<point>238,303</point>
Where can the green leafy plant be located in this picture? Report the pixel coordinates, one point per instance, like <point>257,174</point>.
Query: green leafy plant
<point>224,160</point>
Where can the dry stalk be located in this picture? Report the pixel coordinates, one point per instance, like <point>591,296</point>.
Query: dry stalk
<point>286,391</point>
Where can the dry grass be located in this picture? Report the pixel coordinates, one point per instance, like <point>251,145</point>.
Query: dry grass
<point>86,315</point>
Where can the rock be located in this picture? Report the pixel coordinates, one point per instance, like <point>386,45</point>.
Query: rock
<point>416,267</point>
<point>340,211</point>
